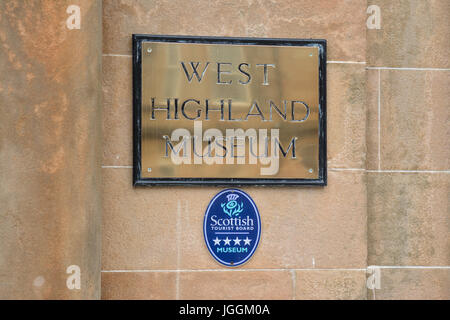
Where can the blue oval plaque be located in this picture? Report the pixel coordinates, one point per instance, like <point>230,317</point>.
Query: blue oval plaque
<point>232,227</point>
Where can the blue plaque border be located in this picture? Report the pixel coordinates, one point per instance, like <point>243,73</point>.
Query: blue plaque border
<point>258,216</point>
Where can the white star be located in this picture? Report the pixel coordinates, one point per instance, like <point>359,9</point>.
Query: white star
<point>216,241</point>
<point>247,241</point>
<point>226,241</point>
<point>237,241</point>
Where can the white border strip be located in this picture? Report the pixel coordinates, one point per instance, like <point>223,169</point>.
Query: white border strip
<point>410,267</point>
<point>406,68</point>
<point>117,55</point>
<point>329,61</point>
<point>334,169</point>
<point>379,119</point>
<point>347,62</point>
<point>388,171</point>
<point>277,270</point>
<point>226,270</point>
<point>410,171</point>
<point>347,169</point>
<point>117,167</point>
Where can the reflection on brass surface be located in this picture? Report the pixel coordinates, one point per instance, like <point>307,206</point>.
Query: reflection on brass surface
<point>199,87</point>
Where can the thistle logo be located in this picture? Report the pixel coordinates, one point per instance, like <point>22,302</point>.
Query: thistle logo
<point>232,208</point>
<point>232,227</point>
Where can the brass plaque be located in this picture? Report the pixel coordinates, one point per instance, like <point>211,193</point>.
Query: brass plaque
<point>229,111</point>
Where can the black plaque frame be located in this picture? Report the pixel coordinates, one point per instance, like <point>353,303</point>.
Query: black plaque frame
<point>137,82</point>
